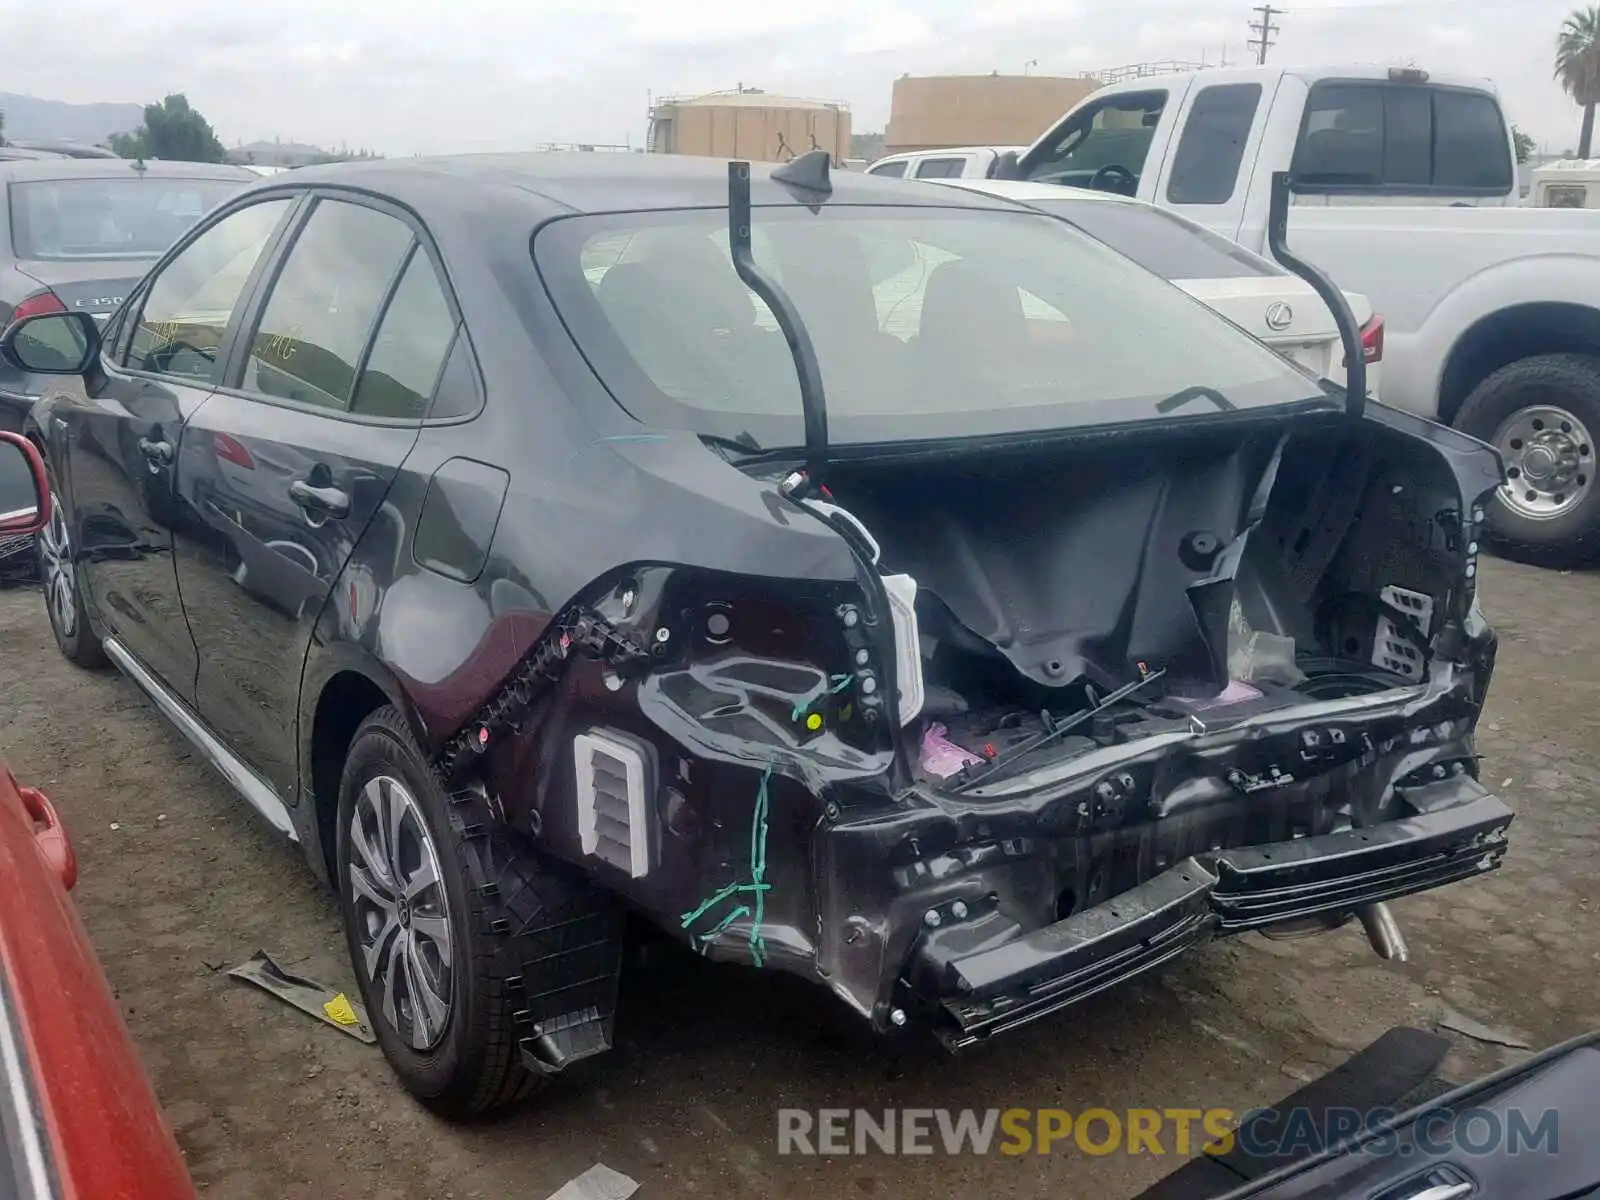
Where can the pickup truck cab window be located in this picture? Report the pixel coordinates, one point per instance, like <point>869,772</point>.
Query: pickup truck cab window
<point>894,170</point>
<point>941,168</point>
<point>1212,146</point>
<point>1399,138</point>
<point>1103,145</point>
<point>190,304</point>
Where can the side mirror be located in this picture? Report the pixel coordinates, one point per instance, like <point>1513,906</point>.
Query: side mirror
<point>24,494</point>
<point>1006,166</point>
<point>52,343</point>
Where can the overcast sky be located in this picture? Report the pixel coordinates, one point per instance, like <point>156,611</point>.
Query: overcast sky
<point>421,76</point>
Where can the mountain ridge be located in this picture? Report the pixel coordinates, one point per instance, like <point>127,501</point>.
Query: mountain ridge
<point>31,118</point>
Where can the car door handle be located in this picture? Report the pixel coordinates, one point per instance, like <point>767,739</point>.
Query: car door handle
<point>157,454</point>
<point>319,501</point>
<point>1443,1191</point>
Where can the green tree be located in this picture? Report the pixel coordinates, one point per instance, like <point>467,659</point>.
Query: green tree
<point>1578,67</point>
<point>171,130</point>
<point>1524,143</point>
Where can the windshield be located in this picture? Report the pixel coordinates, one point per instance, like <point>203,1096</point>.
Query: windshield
<point>927,323</point>
<point>135,217</point>
<point>1159,241</point>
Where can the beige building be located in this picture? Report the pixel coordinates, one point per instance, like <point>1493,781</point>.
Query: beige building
<point>750,124</point>
<point>933,112</point>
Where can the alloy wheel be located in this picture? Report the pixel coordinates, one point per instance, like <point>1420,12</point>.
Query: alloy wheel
<point>1549,458</point>
<point>60,573</point>
<point>402,912</point>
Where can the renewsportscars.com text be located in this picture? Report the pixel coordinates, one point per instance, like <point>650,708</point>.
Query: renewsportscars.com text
<point>1156,1131</point>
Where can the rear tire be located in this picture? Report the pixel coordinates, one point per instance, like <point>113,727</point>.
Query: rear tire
<point>1542,414</point>
<point>494,897</point>
<point>63,596</point>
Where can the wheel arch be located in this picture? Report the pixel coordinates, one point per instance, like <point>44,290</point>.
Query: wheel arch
<point>1509,335</point>
<point>341,687</point>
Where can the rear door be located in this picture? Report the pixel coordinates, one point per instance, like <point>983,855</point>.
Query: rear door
<point>118,444</point>
<point>1207,177</point>
<point>286,466</point>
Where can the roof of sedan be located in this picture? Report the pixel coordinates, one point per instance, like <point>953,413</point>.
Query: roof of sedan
<point>576,181</point>
<point>19,170</point>
<point>1027,190</point>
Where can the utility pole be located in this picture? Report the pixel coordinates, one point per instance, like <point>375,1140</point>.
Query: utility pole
<point>1263,29</point>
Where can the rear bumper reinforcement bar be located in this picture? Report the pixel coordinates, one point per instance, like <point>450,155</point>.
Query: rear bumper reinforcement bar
<point>1456,830</point>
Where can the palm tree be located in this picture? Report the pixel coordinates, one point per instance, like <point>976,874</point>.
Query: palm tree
<point>1578,66</point>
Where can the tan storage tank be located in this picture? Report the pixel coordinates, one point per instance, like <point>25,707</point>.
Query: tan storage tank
<point>750,124</point>
<point>936,112</point>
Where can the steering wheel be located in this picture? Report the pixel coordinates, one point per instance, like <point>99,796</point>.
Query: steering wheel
<point>1119,176</point>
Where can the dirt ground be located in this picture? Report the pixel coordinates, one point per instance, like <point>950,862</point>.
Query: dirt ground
<point>178,879</point>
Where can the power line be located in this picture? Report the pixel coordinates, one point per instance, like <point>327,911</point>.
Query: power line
<point>1263,29</point>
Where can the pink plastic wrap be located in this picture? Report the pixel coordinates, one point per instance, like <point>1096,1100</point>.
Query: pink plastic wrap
<point>1237,692</point>
<point>941,757</point>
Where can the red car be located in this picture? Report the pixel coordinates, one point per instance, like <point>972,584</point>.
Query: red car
<point>78,1118</point>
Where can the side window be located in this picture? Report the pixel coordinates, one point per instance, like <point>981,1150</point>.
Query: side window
<point>459,394</point>
<point>894,170</point>
<point>940,168</point>
<point>324,304</point>
<point>1469,142</point>
<point>1115,133</point>
<point>1206,165</point>
<point>409,351</point>
<point>1341,141</point>
<point>188,307</point>
<point>1566,195</point>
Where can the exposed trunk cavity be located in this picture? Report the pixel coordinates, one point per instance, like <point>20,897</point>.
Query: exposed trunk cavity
<point>1253,567</point>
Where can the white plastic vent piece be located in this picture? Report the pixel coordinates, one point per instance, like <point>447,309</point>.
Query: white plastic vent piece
<point>1391,650</point>
<point>902,593</point>
<point>612,823</point>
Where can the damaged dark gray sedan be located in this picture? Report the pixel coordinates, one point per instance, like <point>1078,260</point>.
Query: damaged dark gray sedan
<point>887,585</point>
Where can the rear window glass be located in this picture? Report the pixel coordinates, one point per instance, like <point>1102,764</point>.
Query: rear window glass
<point>1158,241</point>
<point>136,217</point>
<point>892,169</point>
<point>1402,138</point>
<point>927,323</point>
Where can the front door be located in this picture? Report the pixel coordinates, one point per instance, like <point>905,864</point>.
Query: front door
<point>121,440</point>
<point>287,466</point>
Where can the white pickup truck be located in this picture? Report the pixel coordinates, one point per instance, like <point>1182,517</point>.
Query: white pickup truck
<point>1405,190</point>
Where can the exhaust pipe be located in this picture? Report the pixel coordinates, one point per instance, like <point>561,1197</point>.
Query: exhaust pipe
<point>1383,932</point>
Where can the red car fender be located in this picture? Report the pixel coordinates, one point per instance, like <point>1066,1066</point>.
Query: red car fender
<point>101,1126</point>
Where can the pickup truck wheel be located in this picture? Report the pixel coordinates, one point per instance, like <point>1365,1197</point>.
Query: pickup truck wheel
<point>63,599</point>
<point>440,903</point>
<point>1542,414</point>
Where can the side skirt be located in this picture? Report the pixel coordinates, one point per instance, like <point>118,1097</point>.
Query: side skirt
<point>256,791</point>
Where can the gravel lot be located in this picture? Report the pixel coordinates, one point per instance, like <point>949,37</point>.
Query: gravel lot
<point>178,878</point>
